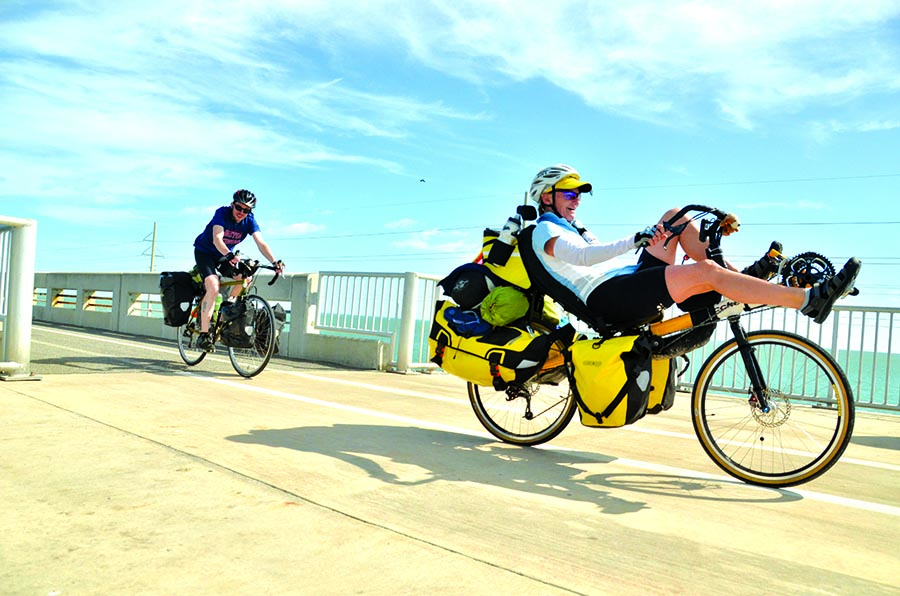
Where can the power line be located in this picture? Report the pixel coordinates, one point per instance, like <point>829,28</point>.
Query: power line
<point>740,182</point>
<point>653,187</point>
<point>634,225</point>
<point>825,223</point>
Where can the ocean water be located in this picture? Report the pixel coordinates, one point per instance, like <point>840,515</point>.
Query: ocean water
<point>874,376</point>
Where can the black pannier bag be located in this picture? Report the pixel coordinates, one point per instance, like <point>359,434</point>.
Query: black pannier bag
<point>239,318</point>
<point>176,293</point>
<point>469,284</point>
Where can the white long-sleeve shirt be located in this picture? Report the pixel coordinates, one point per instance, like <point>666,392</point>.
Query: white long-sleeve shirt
<point>579,263</point>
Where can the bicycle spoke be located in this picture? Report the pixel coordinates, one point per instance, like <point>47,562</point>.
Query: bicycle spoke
<point>249,362</point>
<point>808,424</point>
<point>187,335</point>
<point>551,407</point>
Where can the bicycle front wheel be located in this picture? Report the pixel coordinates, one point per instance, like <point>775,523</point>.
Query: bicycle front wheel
<point>188,337</point>
<point>249,362</point>
<point>533,413</point>
<point>808,422</point>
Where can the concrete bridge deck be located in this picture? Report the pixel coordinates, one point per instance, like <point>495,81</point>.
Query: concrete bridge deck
<point>124,472</point>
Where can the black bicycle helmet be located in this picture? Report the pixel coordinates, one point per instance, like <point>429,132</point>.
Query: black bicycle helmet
<point>245,197</point>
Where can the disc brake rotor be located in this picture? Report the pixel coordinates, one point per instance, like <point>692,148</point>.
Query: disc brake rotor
<point>779,410</point>
<point>806,270</point>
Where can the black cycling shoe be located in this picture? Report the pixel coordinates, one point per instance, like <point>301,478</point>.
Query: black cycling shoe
<point>205,343</point>
<point>767,265</point>
<point>823,295</point>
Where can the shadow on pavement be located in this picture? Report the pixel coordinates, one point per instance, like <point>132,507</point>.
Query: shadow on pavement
<point>456,457</point>
<point>892,443</point>
<point>105,364</point>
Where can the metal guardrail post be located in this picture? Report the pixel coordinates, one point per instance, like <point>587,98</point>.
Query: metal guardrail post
<point>407,322</point>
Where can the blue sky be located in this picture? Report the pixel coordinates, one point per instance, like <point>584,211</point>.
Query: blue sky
<point>120,114</point>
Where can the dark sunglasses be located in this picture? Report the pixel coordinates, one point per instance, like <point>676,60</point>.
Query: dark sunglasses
<point>242,209</point>
<point>569,195</point>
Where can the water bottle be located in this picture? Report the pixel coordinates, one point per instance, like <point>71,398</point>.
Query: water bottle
<point>503,248</point>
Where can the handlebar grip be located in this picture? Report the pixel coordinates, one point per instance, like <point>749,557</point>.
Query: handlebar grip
<point>275,267</point>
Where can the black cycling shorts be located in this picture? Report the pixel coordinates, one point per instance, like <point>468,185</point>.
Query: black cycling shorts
<point>633,297</point>
<point>638,296</point>
<point>691,304</point>
<point>208,264</point>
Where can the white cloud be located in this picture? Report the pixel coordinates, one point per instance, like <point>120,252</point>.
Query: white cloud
<point>823,131</point>
<point>644,58</point>
<point>139,98</point>
<point>862,126</point>
<point>449,242</point>
<point>300,229</point>
<point>133,99</point>
<point>406,222</point>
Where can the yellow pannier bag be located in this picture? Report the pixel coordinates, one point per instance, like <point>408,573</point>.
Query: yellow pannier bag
<point>496,358</point>
<point>662,386</point>
<point>504,260</point>
<point>612,379</point>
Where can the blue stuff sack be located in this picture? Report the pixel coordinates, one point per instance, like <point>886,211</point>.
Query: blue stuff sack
<point>466,323</point>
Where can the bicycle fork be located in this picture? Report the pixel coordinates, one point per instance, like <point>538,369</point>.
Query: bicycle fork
<point>758,388</point>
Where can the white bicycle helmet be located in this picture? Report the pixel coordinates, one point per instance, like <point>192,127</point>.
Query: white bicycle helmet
<point>558,177</point>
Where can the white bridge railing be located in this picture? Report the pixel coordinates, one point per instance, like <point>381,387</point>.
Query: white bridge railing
<point>398,307</point>
<point>864,341</point>
<point>382,320</point>
<point>363,320</point>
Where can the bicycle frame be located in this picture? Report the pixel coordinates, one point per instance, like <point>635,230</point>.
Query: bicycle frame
<point>247,269</point>
<point>758,420</point>
<point>249,352</point>
<point>712,231</point>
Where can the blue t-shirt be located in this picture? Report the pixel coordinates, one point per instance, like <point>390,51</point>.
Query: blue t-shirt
<point>234,232</point>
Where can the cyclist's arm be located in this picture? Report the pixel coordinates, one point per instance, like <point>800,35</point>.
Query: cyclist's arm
<point>578,252</point>
<point>263,247</point>
<point>218,238</point>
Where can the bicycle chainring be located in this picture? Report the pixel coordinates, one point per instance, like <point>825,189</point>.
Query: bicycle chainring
<point>805,270</point>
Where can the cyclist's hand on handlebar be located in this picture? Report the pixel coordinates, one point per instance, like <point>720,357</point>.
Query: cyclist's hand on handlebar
<point>230,258</point>
<point>649,236</point>
<point>279,267</point>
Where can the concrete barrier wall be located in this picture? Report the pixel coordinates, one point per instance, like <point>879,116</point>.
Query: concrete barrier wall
<point>128,314</point>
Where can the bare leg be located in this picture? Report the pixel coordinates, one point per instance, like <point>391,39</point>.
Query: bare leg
<point>208,305</point>
<point>684,281</point>
<point>688,240</point>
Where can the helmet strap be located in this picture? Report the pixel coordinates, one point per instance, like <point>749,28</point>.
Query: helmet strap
<point>553,202</point>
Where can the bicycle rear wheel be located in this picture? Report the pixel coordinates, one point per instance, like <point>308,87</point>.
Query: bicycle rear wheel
<point>809,421</point>
<point>249,362</point>
<point>188,335</point>
<point>534,412</point>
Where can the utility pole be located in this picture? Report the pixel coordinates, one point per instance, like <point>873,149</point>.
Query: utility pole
<point>152,248</point>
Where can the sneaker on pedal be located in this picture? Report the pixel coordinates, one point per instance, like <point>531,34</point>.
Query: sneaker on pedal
<point>767,265</point>
<point>205,342</point>
<point>823,295</point>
